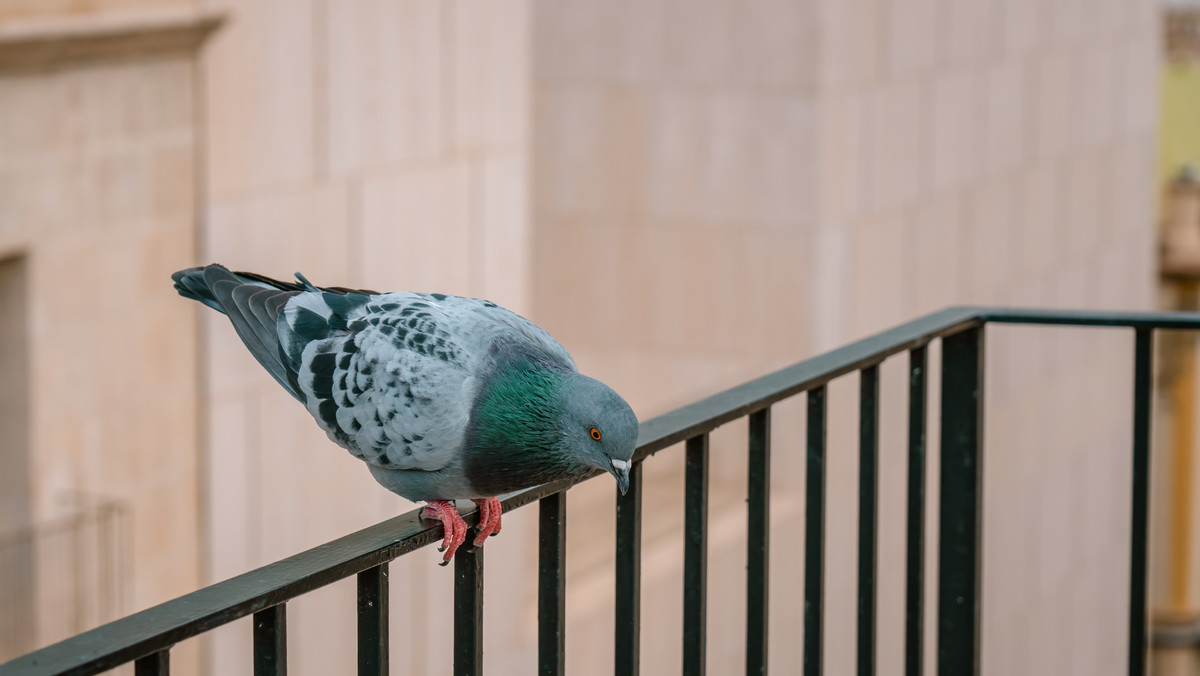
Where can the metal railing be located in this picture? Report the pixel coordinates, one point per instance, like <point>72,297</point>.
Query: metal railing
<point>146,637</point>
<point>65,575</point>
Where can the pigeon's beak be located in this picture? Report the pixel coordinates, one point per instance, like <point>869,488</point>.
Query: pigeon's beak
<point>620,470</point>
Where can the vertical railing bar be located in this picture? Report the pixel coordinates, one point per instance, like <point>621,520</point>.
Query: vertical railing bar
<point>758,542</point>
<point>468,610</point>
<point>960,514</point>
<point>1142,392</point>
<point>695,554</point>
<point>373,621</point>
<point>868,498</point>
<point>154,664</point>
<point>627,643</point>
<point>814,534</point>
<point>270,641</point>
<point>914,631</point>
<point>552,584</point>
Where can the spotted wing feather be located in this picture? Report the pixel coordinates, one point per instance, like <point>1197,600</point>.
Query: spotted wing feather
<point>397,385</point>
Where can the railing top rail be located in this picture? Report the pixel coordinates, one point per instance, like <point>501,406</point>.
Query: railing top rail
<point>168,623</point>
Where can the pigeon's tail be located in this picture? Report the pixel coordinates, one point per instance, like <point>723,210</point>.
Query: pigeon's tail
<point>253,303</point>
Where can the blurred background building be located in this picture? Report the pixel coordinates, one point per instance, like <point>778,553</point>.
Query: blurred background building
<point>686,194</point>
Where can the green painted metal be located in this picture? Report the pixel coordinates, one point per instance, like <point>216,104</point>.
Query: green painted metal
<point>552,585</point>
<point>868,525</point>
<point>960,513</point>
<point>695,555</point>
<point>270,641</point>
<point>758,538</point>
<point>373,621</point>
<point>914,574</point>
<point>628,590</point>
<point>814,535</point>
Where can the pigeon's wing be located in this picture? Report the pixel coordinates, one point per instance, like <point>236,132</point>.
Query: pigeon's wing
<point>253,304</point>
<point>396,385</point>
<point>490,324</point>
<point>386,378</point>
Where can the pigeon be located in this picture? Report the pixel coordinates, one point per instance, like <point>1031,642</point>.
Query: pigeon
<point>443,397</point>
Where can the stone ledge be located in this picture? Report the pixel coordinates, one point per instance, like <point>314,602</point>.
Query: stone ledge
<point>43,43</point>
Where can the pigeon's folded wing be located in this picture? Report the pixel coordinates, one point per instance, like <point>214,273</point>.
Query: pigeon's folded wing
<point>393,387</point>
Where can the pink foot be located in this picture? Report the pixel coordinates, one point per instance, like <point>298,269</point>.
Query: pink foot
<point>489,519</point>
<point>452,524</point>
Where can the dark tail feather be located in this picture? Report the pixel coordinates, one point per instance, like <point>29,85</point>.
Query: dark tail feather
<point>252,303</point>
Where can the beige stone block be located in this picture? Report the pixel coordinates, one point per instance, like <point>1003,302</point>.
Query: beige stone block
<point>26,9</point>
<point>729,160</point>
<point>935,244</point>
<point>1068,21</point>
<point>898,118</point>
<point>829,288</point>
<point>1095,67</point>
<point>880,297</point>
<point>1040,216</point>
<point>905,35</point>
<point>988,237</point>
<point>172,170</point>
<point>1137,63</point>
<point>591,153</point>
<point>633,46</point>
<point>955,124</point>
<point>1132,185</point>
<point>505,253</point>
<point>1086,224</point>
<point>848,41</point>
<point>1007,136</point>
<point>576,39</point>
<point>773,44</point>
<point>491,74</point>
<point>1021,25</point>
<point>155,97</point>
<point>1052,119</point>
<point>122,187</point>
<point>33,117</point>
<point>1106,17</point>
<point>700,44</point>
<point>386,82</point>
<point>416,229</point>
<point>280,233</point>
<point>232,464</point>
<point>680,131</point>
<point>261,95</point>
<point>968,38</point>
<point>841,176</point>
<point>758,166</point>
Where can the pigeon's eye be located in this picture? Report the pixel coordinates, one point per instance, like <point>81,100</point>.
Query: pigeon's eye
<point>594,432</point>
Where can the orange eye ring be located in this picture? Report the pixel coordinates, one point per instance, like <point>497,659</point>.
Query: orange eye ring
<point>595,433</point>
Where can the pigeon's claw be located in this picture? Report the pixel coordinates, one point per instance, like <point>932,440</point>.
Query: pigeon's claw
<point>452,524</point>
<point>489,519</point>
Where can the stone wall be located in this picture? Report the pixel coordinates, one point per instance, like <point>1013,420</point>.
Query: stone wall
<point>747,184</point>
<point>378,144</point>
<point>98,156</point>
<point>686,195</point>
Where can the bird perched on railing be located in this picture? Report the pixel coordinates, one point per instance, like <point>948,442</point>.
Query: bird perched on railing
<point>443,397</point>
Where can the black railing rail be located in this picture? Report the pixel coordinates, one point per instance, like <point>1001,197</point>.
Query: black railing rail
<point>147,637</point>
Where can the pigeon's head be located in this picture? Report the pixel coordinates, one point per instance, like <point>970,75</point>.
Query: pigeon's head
<point>600,428</point>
